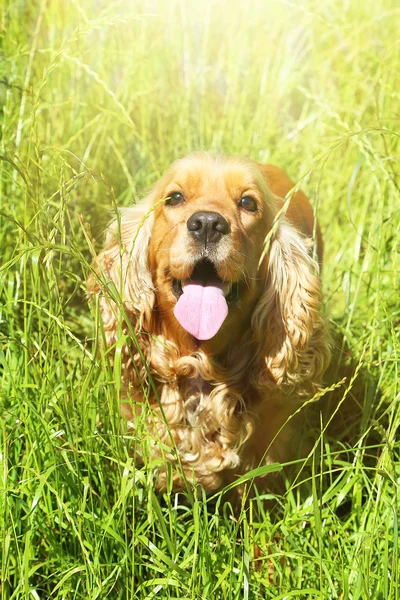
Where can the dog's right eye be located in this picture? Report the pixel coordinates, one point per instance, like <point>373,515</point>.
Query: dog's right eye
<point>175,199</point>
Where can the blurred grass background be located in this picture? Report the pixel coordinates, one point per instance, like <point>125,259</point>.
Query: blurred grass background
<point>96,99</point>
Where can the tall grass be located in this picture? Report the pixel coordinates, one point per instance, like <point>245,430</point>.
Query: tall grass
<point>97,98</point>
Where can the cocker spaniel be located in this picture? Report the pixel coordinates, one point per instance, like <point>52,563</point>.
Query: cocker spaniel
<point>220,304</point>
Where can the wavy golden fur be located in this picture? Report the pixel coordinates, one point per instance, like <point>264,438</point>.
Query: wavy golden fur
<point>221,402</point>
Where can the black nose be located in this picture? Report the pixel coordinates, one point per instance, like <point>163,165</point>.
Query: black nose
<point>207,226</point>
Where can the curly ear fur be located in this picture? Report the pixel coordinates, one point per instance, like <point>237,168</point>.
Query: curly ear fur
<point>124,262</point>
<point>287,321</point>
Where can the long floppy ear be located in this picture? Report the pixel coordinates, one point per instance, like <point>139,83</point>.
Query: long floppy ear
<point>122,271</point>
<point>287,322</point>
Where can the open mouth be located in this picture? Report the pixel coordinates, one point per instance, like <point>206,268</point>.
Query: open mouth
<point>205,274</point>
<point>202,300</point>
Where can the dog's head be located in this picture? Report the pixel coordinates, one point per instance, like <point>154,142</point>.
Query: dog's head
<point>206,242</point>
<point>189,264</point>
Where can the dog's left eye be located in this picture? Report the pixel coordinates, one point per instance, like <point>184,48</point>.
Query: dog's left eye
<point>174,199</point>
<point>248,203</point>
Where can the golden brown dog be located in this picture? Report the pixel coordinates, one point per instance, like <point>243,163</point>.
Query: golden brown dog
<point>223,296</point>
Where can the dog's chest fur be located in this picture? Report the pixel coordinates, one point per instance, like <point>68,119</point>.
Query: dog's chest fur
<point>203,417</point>
<point>195,400</point>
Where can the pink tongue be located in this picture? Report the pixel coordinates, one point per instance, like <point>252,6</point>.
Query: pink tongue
<point>201,310</point>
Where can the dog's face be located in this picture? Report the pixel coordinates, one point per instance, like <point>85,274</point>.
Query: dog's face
<point>206,242</point>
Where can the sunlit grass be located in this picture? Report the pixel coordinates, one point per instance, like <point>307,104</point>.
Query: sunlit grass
<point>96,100</point>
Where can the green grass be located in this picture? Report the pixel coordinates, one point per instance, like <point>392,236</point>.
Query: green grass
<point>96,99</point>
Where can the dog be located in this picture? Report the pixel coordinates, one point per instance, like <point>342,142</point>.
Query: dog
<point>214,280</point>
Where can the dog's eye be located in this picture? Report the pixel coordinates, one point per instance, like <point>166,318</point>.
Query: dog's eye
<point>175,199</point>
<point>248,203</point>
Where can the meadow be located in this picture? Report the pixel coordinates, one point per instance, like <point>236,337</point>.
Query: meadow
<point>96,99</point>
